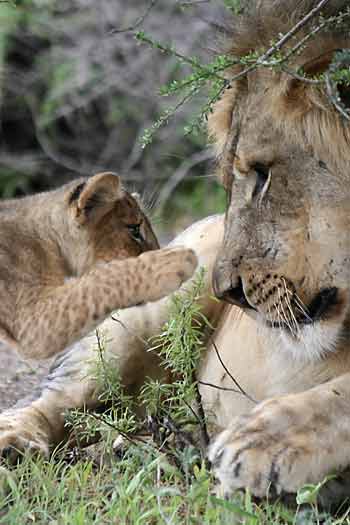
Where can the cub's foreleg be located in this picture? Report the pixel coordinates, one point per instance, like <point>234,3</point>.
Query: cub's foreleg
<point>51,319</point>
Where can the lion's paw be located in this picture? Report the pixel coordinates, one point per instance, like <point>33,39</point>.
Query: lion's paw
<point>280,446</point>
<point>21,432</point>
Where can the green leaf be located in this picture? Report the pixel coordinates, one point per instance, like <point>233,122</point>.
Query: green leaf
<point>308,493</point>
<point>233,507</point>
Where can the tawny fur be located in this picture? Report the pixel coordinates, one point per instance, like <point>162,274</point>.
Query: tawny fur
<point>61,267</point>
<point>299,430</point>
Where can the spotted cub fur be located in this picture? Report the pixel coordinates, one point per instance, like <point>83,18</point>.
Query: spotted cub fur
<point>69,257</point>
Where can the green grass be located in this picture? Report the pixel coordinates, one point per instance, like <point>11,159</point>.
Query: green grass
<point>160,481</point>
<point>141,488</point>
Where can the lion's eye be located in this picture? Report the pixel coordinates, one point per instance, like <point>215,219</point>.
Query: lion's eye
<point>135,231</point>
<point>262,177</point>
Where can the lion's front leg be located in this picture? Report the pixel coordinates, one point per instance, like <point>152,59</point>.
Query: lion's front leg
<point>286,442</point>
<point>37,424</point>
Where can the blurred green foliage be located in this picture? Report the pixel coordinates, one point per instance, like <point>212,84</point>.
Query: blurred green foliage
<point>80,85</point>
<point>195,199</point>
<point>234,5</point>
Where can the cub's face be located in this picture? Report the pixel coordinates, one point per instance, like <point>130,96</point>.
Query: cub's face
<point>106,222</point>
<point>285,258</point>
<point>123,232</point>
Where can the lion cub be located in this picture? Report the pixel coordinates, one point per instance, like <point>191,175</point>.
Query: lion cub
<point>59,273</point>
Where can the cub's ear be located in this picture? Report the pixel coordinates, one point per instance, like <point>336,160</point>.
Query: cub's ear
<point>93,199</point>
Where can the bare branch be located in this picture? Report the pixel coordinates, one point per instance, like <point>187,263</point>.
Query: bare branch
<point>193,3</point>
<point>181,173</point>
<point>243,392</point>
<point>138,22</point>
<point>143,341</point>
<point>223,388</point>
<point>204,436</point>
<point>301,78</point>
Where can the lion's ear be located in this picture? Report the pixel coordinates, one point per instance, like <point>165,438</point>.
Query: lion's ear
<point>344,95</point>
<point>338,86</point>
<point>94,198</point>
<point>330,63</point>
<point>319,64</point>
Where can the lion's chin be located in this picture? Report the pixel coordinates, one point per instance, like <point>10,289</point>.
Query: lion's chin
<point>310,336</point>
<point>312,342</point>
<point>316,336</point>
<point>306,344</point>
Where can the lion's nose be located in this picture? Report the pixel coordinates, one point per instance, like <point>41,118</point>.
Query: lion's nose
<point>221,281</point>
<point>227,291</point>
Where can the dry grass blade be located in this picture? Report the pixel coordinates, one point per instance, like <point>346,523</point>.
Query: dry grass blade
<point>243,392</point>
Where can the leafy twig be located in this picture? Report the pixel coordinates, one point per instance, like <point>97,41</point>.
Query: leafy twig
<point>295,29</point>
<point>190,61</point>
<point>129,437</point>
<point>301,78</point>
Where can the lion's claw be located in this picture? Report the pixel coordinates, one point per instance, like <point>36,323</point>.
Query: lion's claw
<point>281,445</point>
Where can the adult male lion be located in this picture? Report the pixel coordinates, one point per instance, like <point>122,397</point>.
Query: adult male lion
<point>283,264</point>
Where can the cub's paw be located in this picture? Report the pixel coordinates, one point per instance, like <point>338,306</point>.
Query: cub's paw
<point>169,268</point>
<point>21,432</point>
<point>281,445</point>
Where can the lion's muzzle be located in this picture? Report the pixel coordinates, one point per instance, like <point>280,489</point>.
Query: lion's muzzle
<point>226,290</point>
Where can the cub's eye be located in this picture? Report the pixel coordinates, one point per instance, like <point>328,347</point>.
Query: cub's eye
<point>135,231</point>
<point>263,174</point>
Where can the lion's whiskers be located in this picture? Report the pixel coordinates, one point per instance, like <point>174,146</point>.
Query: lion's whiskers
<point>290,308</point>
<point>280,304</point>
<point>301,306</point>
<point>284,316</point>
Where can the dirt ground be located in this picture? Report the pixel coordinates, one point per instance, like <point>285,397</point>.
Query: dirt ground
<point>18,378</point>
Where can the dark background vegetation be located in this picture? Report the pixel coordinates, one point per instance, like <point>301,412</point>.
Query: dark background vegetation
<point>77,92</point>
